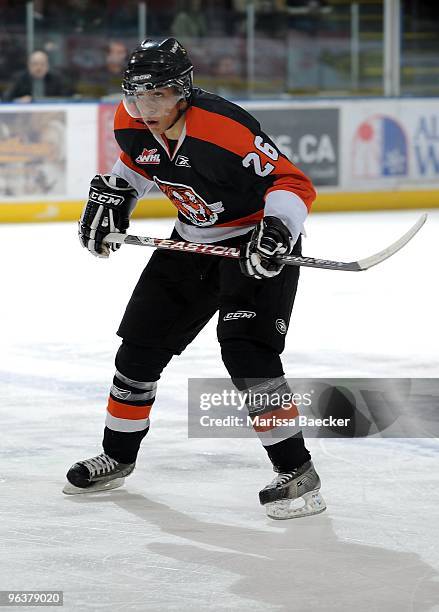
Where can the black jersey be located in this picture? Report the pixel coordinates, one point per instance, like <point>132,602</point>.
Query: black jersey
<point>223,174</point>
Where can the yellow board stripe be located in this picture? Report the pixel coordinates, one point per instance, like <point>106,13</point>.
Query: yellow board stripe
<point>376,200</point>
<point>70,210</point>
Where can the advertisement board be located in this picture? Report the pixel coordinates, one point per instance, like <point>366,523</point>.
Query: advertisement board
<point>32,153</point>
<point>48,154</point>
<point>308,137</point>
<point>108,149</point>
<point>392,146</point>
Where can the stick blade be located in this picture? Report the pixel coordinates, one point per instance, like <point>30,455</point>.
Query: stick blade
<point>361,264</point>
<point>373,260</point>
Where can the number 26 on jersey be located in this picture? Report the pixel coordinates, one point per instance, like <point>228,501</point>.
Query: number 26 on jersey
<point>255,159</point>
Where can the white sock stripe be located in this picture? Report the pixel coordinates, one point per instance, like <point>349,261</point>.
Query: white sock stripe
<point>137,384</point>
<point>125,425</point>
<point>277,434</point>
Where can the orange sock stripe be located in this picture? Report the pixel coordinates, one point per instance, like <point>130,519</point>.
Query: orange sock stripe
<point>127,411</point>
<point>288,412</point>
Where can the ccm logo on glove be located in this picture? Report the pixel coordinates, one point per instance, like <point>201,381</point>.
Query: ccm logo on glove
<point>106,198</point>
<point>111,200</point>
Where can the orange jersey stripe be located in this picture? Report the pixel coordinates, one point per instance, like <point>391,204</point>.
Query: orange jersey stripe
<point>289,412</point>
<point>249,220</point>
<point>222,131</point>
<point>126,411</point>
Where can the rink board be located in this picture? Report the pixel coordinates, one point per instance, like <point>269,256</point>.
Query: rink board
<point>374,154</point>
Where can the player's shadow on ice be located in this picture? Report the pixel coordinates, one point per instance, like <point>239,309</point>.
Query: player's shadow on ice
<point>301,566</point>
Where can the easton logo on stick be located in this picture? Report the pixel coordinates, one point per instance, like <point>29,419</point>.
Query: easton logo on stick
<point>208,249</point>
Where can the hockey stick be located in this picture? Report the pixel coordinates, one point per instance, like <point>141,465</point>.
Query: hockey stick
<point>290,260</point>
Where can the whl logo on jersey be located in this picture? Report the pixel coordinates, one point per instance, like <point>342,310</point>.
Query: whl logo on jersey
<point>148,156</point>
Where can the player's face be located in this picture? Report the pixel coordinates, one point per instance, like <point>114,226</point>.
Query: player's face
<point>158,108</point>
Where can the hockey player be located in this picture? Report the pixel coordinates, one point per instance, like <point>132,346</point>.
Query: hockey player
<point>231,185</point>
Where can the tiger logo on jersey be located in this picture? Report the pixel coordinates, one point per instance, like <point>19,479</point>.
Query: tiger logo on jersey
<point>190,204</point>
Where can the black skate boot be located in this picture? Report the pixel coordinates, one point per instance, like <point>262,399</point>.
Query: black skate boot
<point>293,494</point>
<point>100,473</point>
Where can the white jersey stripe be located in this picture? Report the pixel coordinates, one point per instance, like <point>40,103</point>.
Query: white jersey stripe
<point>289,208</point>
<point>141,184</point>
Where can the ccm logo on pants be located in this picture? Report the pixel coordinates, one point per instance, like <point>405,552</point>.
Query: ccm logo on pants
<point>239,314</point>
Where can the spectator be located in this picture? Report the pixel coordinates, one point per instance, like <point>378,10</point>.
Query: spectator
<point>115,63</point>
<point>190,23</point>
<point>108,74</point>
<point>228,80</point>
<point>37,82</point>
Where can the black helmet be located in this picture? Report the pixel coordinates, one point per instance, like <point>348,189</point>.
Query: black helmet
<point>158,64</point>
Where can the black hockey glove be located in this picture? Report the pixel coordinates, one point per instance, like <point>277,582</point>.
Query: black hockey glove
<point>111,200</point>
<point>269,238</point>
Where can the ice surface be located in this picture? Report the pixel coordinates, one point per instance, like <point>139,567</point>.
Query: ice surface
<point>186,532</point>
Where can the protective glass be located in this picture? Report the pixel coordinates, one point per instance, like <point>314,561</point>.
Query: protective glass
<point>155,102</point>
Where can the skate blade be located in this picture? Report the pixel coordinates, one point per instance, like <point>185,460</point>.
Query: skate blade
<point>70,489</point>
<point>307,505</point>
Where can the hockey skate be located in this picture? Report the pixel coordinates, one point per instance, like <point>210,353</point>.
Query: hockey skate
<point>100,473</point>
<point>293,494</point>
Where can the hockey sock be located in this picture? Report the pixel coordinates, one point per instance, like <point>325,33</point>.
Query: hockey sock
<point>289,454</point>
<point>131,397</point>
<point>127,420</point>
<point>257,369</point>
